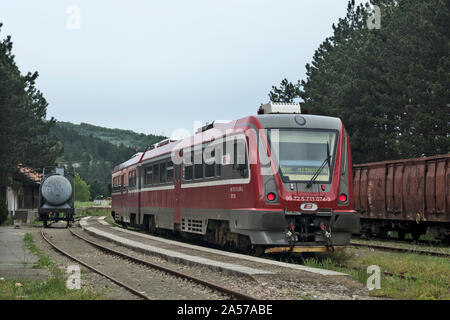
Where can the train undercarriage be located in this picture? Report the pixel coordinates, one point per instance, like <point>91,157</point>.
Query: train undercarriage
<point>302,234</point>
<point>55,216</point>
<point>381,228</point>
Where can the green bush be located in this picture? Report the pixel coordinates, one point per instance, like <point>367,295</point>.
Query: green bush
<point>3,211</point>
<point>82,189</point>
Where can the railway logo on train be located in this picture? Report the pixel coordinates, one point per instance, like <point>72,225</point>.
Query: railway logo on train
<point>278,181</point>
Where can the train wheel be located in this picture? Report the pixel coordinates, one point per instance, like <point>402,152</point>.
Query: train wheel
<point>382,234</point>
<point>257,251</point>
<point>416,235</point>
<point>368,234</point>
<point>45,223</point>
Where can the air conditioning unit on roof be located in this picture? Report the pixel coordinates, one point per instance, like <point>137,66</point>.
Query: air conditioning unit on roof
<point>279,107</point>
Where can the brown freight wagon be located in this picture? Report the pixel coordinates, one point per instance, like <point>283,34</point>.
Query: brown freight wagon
<point>407,196</point>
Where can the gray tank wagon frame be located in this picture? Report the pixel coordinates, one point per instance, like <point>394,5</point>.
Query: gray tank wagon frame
<point>56,196</point>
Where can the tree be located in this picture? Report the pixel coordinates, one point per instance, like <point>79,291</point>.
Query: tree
<point>82,192</point>
<point>286,93</point>
<point>390,86</point>
<point>3,210</point>
<point>93,157</point>
<point>24,131</point>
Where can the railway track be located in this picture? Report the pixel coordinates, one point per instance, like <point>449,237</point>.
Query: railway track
<point>431,243</point>
<point>119,283</point>
<point>398,249</point>
<point>231,293</point>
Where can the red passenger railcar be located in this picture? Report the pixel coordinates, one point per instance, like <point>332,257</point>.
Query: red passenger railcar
<point>278,181</point>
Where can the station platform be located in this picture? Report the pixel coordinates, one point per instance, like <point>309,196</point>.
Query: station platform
<point>176,251</point>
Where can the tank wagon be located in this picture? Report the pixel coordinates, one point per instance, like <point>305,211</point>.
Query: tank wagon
<point>56,196</point>
<point>407,196</point>
<point>279,181</point>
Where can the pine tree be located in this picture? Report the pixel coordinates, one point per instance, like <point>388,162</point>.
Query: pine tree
<point>390,86</point>
<point>286,93</point>
<point>23,129</point>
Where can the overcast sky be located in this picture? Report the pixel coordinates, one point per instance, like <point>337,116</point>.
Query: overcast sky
<point>154,66</point>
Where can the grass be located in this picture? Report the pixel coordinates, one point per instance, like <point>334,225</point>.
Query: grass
<point>53,288</point>
<point>9,221</point>
<point>81,204</point>
<point>95,213</point>
<point>99,213</point>
<point>425,277</point>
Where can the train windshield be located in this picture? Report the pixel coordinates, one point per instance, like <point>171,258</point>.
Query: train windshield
<point>301,152</point>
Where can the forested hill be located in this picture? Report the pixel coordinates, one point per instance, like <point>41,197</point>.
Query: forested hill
<point>137,141</point>
<point>91,152</point>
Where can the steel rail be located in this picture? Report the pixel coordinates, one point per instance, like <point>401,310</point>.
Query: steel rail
<point>430,243</point>
<point>403,250</point>
<point>235,294</point>
<point>118,282</point>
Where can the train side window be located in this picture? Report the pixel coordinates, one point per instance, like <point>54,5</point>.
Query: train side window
<point>116,184</point>
<point>156,173</point>
<point>189,169</point>
<point>122,181</point>
<point>210,168</point>
<point>240,164</point>
<point>131,179</point>
<point>198,171</point>
<point>169,171</point>
<point>188,172</point>
<point>162,172</point>
<point>219,157</point>
<point>148,175</point>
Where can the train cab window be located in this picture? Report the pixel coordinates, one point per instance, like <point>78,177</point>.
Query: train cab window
<point>156,173</point>
<point>169,171</point>
<point>162,172</point>
<point>148,175</point>
<point>301,153</point>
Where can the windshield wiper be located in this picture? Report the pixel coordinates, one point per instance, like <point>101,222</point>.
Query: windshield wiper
<point>316,174</point>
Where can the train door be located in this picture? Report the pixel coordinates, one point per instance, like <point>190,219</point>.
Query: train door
<point>138,192</point>
<point>177,192</point>
<point>122,186</point>
<point>132,198</point>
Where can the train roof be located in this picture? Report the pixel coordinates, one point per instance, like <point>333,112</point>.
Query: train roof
<point>204,134</point>
<point>294,120</point>
<point>133,160</point>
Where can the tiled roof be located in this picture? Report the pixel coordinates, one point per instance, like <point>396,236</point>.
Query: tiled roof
<point>30,173</point>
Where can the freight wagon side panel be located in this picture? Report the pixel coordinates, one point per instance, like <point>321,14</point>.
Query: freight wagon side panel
<point>411,189</point>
